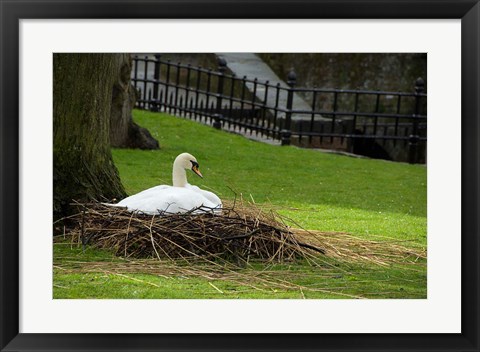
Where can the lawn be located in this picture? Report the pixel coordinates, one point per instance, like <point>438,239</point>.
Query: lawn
<point>369,199</point>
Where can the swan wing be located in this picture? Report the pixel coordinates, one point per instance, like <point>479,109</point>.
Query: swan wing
<point>210,196</point>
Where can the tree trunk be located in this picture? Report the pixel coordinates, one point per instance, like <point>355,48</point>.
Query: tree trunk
<point>83,168</point>
<point>123,131</point>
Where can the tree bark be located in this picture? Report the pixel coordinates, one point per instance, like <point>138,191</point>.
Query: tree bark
<point>123,131</point>
<point>83,168</point>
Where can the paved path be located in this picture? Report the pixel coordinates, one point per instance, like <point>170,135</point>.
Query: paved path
<point>252,66</point>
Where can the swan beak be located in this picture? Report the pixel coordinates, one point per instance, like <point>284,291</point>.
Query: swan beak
<point>197,171</point>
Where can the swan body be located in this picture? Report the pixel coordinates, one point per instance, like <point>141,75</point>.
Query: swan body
<point>179,198</point>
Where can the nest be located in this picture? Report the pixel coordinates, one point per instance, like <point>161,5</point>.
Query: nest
<point>239,234</point>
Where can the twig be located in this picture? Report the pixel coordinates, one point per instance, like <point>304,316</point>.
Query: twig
<point>216,288</point>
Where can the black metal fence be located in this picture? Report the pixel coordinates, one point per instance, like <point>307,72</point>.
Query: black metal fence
<point>388,125</point>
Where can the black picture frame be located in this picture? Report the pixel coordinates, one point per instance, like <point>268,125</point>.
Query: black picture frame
<point>12,11</point>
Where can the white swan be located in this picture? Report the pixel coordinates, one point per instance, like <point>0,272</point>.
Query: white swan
<point>179,198</point>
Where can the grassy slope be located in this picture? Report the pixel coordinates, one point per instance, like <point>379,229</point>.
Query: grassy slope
<point>328,192</point>
<point>368,198</point>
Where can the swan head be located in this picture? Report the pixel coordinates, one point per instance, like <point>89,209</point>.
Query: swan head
<point>189,162</point>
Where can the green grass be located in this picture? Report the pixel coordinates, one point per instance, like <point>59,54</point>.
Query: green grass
<point>354,280</point>
<point>322,191</point>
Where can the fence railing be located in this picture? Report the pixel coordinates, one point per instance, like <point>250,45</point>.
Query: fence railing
<point>389,125</point>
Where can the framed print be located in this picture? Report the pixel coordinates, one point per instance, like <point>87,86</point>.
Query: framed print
<point>58,298</point>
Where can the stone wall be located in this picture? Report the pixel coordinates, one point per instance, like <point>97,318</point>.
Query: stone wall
<point>395,72</point>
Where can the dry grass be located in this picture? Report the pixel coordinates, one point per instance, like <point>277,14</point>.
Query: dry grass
<point>349,248</point>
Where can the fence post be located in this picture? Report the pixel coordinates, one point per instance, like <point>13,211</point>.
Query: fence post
<point>218,116</point>
<point>414,137</point>
<point>156,78</point>
<point>286,132</point>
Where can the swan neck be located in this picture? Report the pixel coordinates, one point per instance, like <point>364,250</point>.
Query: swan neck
<point>179,176</point>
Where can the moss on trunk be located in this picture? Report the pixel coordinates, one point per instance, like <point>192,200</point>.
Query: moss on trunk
<point>83,168</point>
